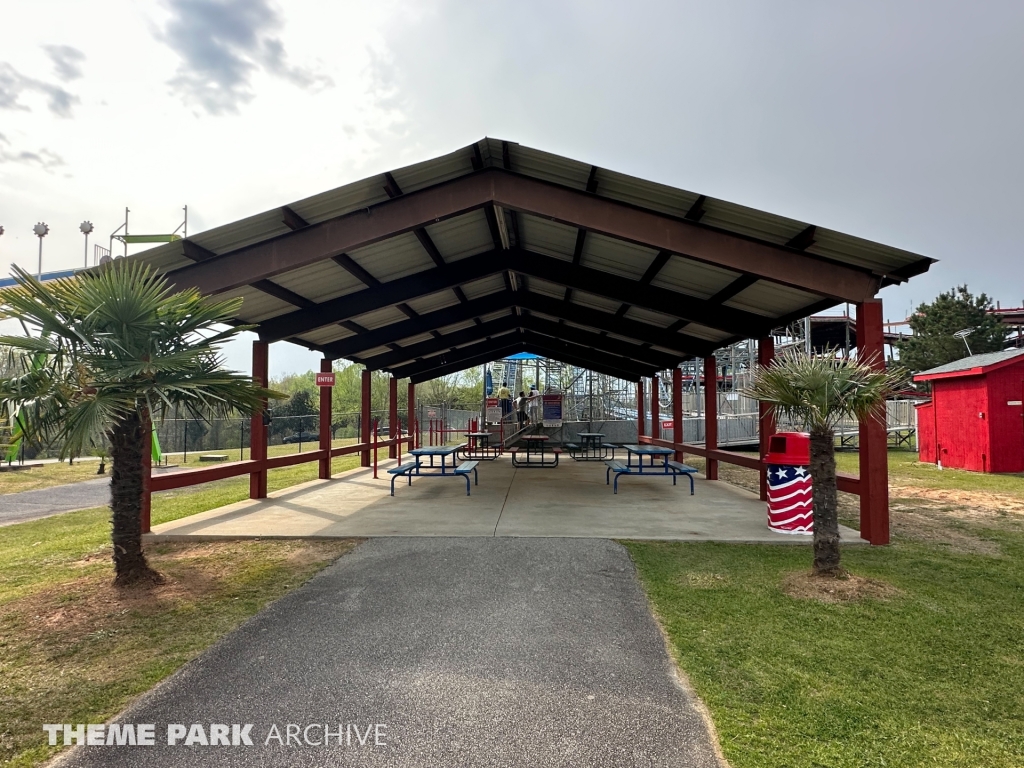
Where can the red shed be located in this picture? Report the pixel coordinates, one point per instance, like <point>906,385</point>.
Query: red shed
<point>975,419</point>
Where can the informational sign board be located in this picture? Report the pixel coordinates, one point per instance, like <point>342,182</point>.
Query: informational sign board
<point>325,379</point>
<point>667,424</point>
<point>493,415</point>
<point>551,406</point>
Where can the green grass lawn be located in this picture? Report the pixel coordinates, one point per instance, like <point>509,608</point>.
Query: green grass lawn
<point>73,649</point>
<point>932,676</point>
<point>48,475</point>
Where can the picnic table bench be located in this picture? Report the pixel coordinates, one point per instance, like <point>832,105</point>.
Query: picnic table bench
<point>479,447</point>
<point>591,447</point>
<point>667,467</point>
<point>213,457</point>
<point>415,468</point>
<point>536,453</point>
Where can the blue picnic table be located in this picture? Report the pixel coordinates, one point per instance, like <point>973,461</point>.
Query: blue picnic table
<point>415,468</point>
<point>666,467</point>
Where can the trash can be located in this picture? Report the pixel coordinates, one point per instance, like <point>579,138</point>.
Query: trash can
<point>790,502</point>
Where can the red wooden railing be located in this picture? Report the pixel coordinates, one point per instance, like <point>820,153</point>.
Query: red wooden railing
<point>844,482</point>
<point>188,477</point>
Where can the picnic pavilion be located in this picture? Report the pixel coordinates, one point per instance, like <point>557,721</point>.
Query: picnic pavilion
<point>496,249</point>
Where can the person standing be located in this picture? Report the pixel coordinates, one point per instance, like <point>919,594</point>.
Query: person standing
<point>504,400</point>
<point>521,404</point>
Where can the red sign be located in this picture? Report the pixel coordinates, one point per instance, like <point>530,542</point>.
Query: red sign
<point>325,379</point>
<point>667,424</point>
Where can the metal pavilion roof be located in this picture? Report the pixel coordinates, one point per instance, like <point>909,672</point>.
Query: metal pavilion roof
<point>498,248</point>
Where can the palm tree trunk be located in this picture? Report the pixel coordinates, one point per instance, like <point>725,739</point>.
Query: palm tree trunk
<point>127,440</point>
<point>826,513</point>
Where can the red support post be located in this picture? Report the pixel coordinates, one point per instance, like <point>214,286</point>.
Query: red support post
<point>258,429</point>
<point>655,408</point>
<point>364,419</point>
<point>147,474</point>
<point>376,425</point>
<point>874,449</point>
<point>393,427</point>
<point>641,410</point>
<point>711,413</point>
<point>326,366</point>
<point>677,409</point>
<point>411,415</point>
<point>765,413</point>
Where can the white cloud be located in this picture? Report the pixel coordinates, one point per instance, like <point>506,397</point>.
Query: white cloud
<point>67,61</point>
<point>14,85</point>
<point>222,44</point>
<point>42,158</point>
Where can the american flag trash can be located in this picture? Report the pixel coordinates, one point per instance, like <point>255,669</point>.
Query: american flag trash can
<point>790,501</point>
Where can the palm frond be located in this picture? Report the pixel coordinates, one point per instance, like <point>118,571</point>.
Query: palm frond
<point>115,341</point>
<point>820,391</point>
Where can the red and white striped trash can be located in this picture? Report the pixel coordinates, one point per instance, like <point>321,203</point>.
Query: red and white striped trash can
<point>790,500</point>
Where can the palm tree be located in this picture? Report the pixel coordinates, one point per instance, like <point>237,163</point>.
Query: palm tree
<point>121,349</point>
<point>819,392</point>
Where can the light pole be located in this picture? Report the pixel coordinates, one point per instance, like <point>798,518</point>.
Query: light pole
<point>41,231</point>
<point>86,227</point>
<point>962,335</point>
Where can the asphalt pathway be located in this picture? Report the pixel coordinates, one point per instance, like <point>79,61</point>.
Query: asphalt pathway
<point>32,505</point>
<point>468,651</point>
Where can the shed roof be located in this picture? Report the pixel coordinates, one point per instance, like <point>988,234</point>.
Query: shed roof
<point>973,365</point>
<point>498,248</point>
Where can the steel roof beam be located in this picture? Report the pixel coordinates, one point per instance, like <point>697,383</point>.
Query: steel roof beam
<point>384,295</point>
<point>441,343</point>
<point>462,363</point>
<point>696,212</point>
<point>441,365</point>
<point>633,292</point>
<point>686,238</point>
<point>586,357</point>
<point>350,265</point>
<point>494,346</point>
<point>576,208</point>
<point>291,219</point>
<point>601,344</point>
<point>282,293</point>
<point>687,346</point>
<point>196,252</point>
<point>734,288</point>
<point>426,323</point>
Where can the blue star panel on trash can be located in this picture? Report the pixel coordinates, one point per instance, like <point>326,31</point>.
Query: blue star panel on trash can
<point>790,500</point>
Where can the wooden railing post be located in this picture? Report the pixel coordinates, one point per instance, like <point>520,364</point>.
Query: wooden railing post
<point>326,366</point>
<point>711,413</point>
<point>147,475</point>
<point>677,410</point>
<point>364,418</point>
<point>411,415</point>
<point>258,428</point>
<point>873,444</point>
<point>765,413</point>
<point>641,410</point>
<point>394,429</point>
<point>655,408</point>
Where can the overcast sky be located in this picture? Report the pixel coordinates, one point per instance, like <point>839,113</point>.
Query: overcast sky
<point>900,122</point>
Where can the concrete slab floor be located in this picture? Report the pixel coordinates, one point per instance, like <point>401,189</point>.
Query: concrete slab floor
<point>571,500</point>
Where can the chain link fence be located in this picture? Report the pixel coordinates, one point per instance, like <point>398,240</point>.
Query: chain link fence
<point>182,438</point>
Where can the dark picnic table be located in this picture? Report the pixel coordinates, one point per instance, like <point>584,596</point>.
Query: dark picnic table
<point>536,453</point>
<point>591,447</point>
<point>479,447</point>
